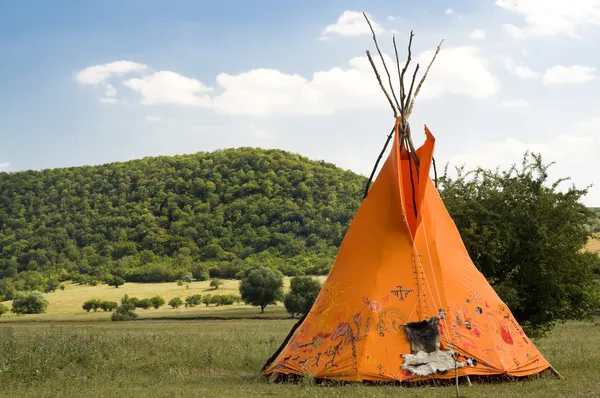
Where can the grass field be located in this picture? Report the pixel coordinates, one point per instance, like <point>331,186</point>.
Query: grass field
<point>69,352</point>
<point>593,244</point>
<point>217,358</point>
<point>65,305</point>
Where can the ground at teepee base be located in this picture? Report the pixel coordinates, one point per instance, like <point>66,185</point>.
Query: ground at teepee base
<point>223,359</point>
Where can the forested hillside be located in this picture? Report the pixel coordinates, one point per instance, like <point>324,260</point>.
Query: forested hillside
<point>153,219</point>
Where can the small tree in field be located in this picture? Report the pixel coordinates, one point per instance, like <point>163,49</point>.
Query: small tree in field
<point>207,299</point>
<point>3,309</point>
<point>31,302</point>
<point>180,283</point>
<point>126,311</point>
<point>157,302</point>
<point>108,306</point>
<point>215,283</point>
<point>144,303</point>
<point>92,304</point>
<point>303,293</point>
<point>175,302</point>
<point>116,281</point>
<point>262,286</point>
<point>187,278</point>
<point>192,301</point>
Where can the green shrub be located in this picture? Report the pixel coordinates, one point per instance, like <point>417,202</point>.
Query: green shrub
<point>157,302</point>
<point>192,301</point>
<point>108,306</point>
<point>29,302</point>
<point>144,303</point>
<point>215,283</point>
<point>303,293</point>
<point>176,302</point>
<point>116,281</point>
<point>3,309</point>
<point>126,311</point>
<point>93,304</point>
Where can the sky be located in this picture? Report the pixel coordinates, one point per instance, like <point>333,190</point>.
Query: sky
<point>93,82</point>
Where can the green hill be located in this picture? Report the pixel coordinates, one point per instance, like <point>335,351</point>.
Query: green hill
<point>154,219</point>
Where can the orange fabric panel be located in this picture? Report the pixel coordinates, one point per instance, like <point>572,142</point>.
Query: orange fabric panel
<point>393,268</point>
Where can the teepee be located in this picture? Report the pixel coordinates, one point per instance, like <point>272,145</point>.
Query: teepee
<point>403,300</point>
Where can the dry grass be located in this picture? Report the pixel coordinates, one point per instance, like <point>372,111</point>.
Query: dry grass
<point>593,244</point>
<point>66,305</point>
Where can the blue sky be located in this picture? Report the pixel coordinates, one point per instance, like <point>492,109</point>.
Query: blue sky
<point>90,82</point>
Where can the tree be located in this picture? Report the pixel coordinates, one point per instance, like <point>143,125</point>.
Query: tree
<point>215,283</point>
<point>108,306</point>
<point>525,235</point>
<point>303,293</point>
<point>124,312</point>
<point>207,299</point>
<point>93,304</point>
<point>157,302</point>
<point>192,301</point>
<point>200,271</point>
<point>29,302</point>
<point>116,281</point>
<point>51,285</point>
<point>144,303</point>
<point>180,284</point>
<point>175,302</point>
<point>187,278</point>
<point>262,286</point>
<point>3,309</point>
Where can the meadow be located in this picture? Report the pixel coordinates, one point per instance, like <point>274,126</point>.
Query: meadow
<point>223,358</point>
<point>65,305</point>
<point>192,353</point>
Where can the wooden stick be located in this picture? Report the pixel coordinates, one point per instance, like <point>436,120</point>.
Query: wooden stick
<point>381,83</point>
<point>412,84</point>
<point>555,373</point>
<point>435,176</point>
<point>456,378</point>
<point>399,75</point>
<point>383,62</point>
<point>403,96</point>
<point>387,141</point>
<point>412,102</point>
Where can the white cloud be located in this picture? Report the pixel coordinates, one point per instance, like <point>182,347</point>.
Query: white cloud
<point>570,151</point>
<point>166,87</point>
<point>110,91</point>
<point>459,70</point>
<point>353,23</point>
<point>106,100</point>
<point>4,166</point>
<point>391,18</point>
<point>568,74</point>
<point>477,34</point>
<point>449,11</point>
<point>520,71</point>
<point>516,103</point>
<point>525,73</point>
<point>155,119</point>
<point>513,31</point>
<point>552,17</point>
<point>99,73</point>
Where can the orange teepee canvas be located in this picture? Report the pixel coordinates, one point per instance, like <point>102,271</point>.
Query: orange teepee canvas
<point>403,300</point>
